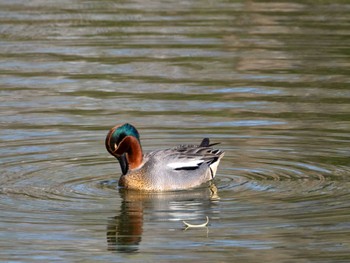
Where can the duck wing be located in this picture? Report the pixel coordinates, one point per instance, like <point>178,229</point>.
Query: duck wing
<point>191,157</point>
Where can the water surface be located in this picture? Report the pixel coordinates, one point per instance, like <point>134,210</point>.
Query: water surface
<point>270,81</point>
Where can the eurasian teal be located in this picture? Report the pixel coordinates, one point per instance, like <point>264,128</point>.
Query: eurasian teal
<point>180,167</point>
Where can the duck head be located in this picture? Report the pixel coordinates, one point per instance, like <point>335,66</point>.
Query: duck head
<point>123,142</point>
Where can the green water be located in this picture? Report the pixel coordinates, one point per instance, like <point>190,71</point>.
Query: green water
<point>268,80</point>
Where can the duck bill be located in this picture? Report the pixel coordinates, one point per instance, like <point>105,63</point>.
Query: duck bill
<point>123,163</point>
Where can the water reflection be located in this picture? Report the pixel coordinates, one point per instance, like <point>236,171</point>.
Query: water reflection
<point>124,231</point>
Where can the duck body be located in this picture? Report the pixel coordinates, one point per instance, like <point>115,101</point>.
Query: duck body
<point>177,168</point>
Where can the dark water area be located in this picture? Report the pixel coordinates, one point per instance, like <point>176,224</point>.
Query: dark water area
<point>269,80</point>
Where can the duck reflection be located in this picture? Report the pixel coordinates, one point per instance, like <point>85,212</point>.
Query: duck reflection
<point>124,231</point>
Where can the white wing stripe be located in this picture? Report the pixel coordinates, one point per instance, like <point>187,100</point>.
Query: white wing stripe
<point>177,165</point>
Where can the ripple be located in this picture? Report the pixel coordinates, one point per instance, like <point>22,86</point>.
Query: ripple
<point>42,175</point>
<point>63,179</point>
<point>278,177</point>
<point>84,188</point>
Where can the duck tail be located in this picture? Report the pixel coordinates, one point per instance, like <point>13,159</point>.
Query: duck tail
<point>206,143</point>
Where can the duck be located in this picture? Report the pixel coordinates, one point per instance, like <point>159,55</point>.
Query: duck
<point>178,168</point>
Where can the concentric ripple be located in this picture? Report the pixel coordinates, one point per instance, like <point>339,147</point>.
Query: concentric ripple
<point>65,179</point>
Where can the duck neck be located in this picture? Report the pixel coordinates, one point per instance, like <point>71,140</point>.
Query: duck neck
<point>132,147</point>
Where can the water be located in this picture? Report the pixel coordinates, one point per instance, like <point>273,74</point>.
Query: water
<point>270,81</point>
